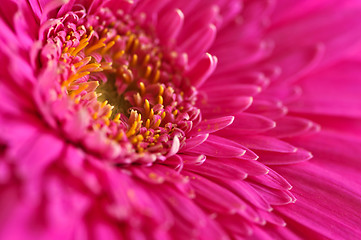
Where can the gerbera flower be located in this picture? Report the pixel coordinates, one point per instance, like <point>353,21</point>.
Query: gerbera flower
<point>178,120</point>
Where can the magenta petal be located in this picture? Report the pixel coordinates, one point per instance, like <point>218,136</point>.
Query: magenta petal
<point>265,143</point>
<point>231,90</point>
<point>275,196</point>
<point>272,179</point>
<point>269,109</point>
<point>275,219</point>
<point>212,125</point>
<point>194,142</point>
<point>246,56</point>
<point>149,7</point>
<point>275,158</point>
<point>322,26</point>
<point>247,192</point>
<point>169,25</point>
<point>193,158</point>
<point>331,91</point>
<point>214,197</point>
<point>202,70</point>
<point>198,43</point>
<point>329,196</point>
<point>290,126</point>
<point>212,168</point>
<point>224,106</point>
<point>246,123</point>
<point>303,61</point>
<point>252,168</point>
<point>236,224</point>
<point>189,214</point>
<point>216,149</point>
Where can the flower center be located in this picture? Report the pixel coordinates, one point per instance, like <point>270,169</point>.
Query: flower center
<point>134,90</point>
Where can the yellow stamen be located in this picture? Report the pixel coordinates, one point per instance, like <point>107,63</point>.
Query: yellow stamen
<point>83,61</point>
<point>146,59</point>
<point>89,66</point>
<point>116,118</point>
<point>104,103</point>
<point>134,140</point>
<point>118,54</point>
<point>71,50</point>
<point>146,106</point>
<point>127,78</point>
<point>109,113</point>
<point>161,90</point>
<point>75,77</point>
<point>140,138</point>
<point>135,45</point>
<point>156,76</point>
<point>106,120</point>
<point>157,123</point>
<point>142,88</point>
<point>96,46</point>
<point>130,41</point>
<point>106,65</point>
<point>79,48</point>
<point>79,90</point>
<point>77,99</point>
<point>107,47</point>
<point>147,123</point>
<point>131,131</point>
<point>117,38</point>
<point>160,100</point>
<point>148,71</point>
<point>119,136</point>
<point>134,60</point>
<point>139,117</point>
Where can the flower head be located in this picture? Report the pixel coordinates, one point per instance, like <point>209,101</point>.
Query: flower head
<point>132,92</point>
<point>159,119</point>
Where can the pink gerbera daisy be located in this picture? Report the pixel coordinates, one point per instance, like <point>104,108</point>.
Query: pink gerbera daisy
<point>179,120</point>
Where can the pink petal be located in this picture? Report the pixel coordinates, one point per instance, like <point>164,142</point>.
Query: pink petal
<point>275,158</point>
<point>202,70</point>
<point>258,142</point>
<point>216,169</point>
<point>212,125</point>
<point>219,147</point>
<point>247,123</point>
<point>214,197</point>
<point>331,91</point>
<point>290,126</point>
<point>269,109</point>
<point>272,179</point>
<point>198,43</point>
<point>275,196</point>
<point>169,25</point>
<point>231,90</point>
